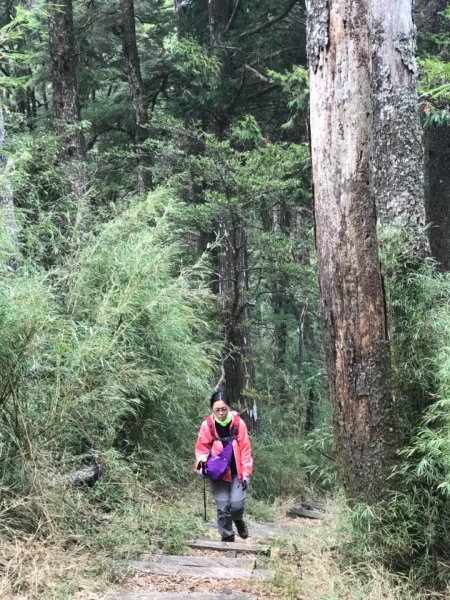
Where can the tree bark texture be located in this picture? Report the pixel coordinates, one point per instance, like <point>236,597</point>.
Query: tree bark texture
<point>352,295</point>
<point>63,66</point>
<point>397,136</point>
<point>219,14</point>
<point>140,103</point>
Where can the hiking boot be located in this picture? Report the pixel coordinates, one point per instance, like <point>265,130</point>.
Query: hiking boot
<point>242,529</point>
<point>228,538</point>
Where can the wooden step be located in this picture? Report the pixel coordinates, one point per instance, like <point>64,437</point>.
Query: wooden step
<point>177,596</point>
<point>185,566</point>
<point>201,561</point>
<point>229,546</point>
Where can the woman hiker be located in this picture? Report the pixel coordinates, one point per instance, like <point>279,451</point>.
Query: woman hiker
<point>222,427</point>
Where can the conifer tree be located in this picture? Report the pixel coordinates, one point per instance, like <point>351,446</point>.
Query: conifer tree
<point>66,102</point>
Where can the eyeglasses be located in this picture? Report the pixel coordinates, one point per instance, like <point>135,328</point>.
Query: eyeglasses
<point>220,410</point>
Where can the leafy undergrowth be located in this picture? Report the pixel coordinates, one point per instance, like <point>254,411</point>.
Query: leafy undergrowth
<point>309,562</point>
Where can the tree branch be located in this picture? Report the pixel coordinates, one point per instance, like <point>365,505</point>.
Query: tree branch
<point>263,92</point>
<point>270,22</point>
<point>256,73</point>
<point>232,18</point>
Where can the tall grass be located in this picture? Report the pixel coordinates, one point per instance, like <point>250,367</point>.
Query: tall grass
<point>108,351</point>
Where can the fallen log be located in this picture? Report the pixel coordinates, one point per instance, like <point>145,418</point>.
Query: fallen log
<point>300,511</point>
<point>86,476</point>
<point>313,505</point>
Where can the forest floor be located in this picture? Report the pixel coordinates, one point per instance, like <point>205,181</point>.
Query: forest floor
<point>306,562</point>
<point>307,559</point>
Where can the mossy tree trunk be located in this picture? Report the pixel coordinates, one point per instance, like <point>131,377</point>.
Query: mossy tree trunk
<point>351,289</point>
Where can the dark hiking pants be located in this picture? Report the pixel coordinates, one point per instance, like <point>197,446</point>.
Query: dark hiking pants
<point>230,502</point>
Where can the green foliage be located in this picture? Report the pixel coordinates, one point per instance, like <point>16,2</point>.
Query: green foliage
<point>193,62</point>
<point>410,532</point>
<point>248,130</point>
<point>11,37</point>
<point>110,351</point>
<point>295,85</point>
<point>124,517</point>
<point>111,336</point>
<point>435,90</point>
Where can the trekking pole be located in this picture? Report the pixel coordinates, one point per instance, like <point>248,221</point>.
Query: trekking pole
<point>204,491</point>
<point>204,499</point>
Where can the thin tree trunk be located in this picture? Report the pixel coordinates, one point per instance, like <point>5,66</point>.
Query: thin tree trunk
<point>397,136</point>
<point>232,259</point>
<point>6,197</point>
<point>352,296</point>
<point>219,14</point>
<point>430,20</point>
<point>140,103</point>
<point>437,144</point>
<point>233,291</point>
<point>63,63</point>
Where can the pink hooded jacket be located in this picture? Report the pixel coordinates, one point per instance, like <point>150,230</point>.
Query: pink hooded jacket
<point>241,448</point>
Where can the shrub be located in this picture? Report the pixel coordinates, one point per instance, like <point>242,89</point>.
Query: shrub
<point>110,350</point>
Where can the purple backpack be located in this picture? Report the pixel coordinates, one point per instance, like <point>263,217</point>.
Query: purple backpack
<point>217,466</point>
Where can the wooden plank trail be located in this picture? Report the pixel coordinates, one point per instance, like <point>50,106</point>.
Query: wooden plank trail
<point>201,566</point>
<point>224,566</point>
<point>200,561</point>
<point>218,567</point>
<point>229,546</point>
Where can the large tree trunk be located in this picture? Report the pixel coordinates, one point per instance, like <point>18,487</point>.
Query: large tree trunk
<point>140,103</point>
<point>397,136</point>
<point>63,66</point>
<point>352,296</point>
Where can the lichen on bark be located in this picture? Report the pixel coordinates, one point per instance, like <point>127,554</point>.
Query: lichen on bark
<point>406,46</point>
<point>317,30</point>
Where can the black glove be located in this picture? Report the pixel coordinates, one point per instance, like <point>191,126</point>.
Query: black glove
<point>201,469</point>
<point>244,482</point>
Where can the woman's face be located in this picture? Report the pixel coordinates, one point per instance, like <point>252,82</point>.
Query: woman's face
<point>220,409</point>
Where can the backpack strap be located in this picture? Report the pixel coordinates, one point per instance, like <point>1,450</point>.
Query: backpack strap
<point>234,427</point>
<point>212,428</point>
